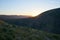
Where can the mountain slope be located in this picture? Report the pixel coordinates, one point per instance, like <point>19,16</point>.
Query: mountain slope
<point>48,21</point>
<point>17,20</point>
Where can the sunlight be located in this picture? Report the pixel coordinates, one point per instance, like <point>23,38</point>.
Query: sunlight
<point>28,14</point>
<point>32,13</point>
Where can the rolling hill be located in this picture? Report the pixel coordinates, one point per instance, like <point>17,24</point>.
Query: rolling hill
<point>48,21</point>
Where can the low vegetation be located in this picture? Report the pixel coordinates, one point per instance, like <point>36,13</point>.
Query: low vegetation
<point>13,32</point>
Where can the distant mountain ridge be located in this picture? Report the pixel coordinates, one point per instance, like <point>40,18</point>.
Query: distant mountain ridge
<point>13,16</point>
<point>17,20</point>
<point>47,21</point>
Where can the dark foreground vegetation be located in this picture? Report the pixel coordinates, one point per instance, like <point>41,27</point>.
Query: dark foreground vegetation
<point>13,32</point>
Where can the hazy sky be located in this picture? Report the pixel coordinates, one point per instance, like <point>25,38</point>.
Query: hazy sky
<point>27,7</point>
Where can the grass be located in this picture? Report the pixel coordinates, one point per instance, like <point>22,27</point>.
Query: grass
<point>13,32</point>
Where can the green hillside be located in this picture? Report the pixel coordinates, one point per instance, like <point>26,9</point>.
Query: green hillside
<point>13,32</point>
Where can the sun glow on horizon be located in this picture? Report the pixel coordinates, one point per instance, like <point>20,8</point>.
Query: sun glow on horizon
<point>32,13</point>
<point>28,14</point>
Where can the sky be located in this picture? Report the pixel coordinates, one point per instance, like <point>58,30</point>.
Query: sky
<point>27,7</point>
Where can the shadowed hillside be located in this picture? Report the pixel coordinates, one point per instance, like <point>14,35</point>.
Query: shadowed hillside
<point>17,20</point>
<point>48,21</point>
<point>13,32</point>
